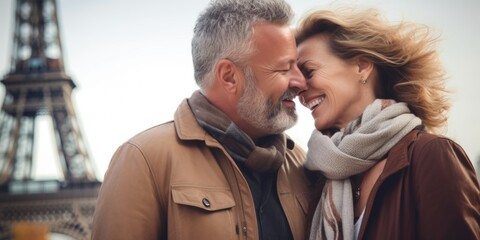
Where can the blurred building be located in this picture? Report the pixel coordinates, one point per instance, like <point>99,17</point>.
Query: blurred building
<point>37,85</point>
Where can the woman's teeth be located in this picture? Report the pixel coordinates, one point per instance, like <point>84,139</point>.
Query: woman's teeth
<point>312,104</point>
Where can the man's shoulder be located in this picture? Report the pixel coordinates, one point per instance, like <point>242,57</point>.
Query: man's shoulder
<point>159,133</point>
<point>157,130</point>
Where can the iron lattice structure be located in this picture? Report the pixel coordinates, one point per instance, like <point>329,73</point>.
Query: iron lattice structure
<point>65,210</point>
<point>38,85</point>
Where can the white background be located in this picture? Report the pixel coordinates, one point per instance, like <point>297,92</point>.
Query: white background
<point>131,61</point>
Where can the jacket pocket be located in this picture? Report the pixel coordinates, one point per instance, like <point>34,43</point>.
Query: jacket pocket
<point>203,212</point>
<point>209,199</point>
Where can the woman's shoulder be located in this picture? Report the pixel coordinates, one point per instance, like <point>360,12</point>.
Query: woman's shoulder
<point>422,142</point>
<point>437,152</point>
<point>428,142</point>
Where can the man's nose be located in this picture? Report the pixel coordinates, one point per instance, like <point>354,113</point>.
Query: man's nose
<point>297,80</point>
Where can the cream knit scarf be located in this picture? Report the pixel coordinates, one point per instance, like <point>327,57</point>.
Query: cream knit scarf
<point>351,151</point>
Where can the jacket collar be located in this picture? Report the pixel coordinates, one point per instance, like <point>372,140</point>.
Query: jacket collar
<point>186,125</point>
<point>398,155</point>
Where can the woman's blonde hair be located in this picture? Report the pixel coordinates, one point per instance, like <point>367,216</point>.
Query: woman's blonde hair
<point>404,56</point>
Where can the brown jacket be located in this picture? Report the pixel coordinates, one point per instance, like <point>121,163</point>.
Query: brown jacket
<point>427,190</point>
<point>166,183</point>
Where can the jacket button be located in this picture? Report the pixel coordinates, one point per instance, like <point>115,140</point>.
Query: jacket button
<point>206,203</point>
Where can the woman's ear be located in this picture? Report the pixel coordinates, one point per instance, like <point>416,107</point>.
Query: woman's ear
<point>227,76</point>
<point>365,67</point>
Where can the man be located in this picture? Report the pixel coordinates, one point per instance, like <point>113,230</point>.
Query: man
<point>222,169</point>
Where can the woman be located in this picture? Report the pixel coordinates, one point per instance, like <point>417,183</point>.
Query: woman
<point>377,96</point>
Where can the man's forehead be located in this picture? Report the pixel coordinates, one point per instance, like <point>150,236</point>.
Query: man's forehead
<point>274,41</point>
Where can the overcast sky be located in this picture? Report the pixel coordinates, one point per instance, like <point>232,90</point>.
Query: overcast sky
<point>132,64</point>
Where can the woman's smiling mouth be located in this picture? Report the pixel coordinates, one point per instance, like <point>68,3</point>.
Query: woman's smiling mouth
<point>313,103</point>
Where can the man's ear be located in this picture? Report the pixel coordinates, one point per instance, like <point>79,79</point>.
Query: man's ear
<point>227,76</point>
<point>365,67</point>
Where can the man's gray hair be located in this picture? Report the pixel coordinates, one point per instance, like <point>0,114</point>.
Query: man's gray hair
<point>224,31</point>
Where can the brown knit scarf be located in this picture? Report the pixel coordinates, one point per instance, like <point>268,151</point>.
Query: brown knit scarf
<point>264,155</point>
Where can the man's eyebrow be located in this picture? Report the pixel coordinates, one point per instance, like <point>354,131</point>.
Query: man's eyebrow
<point>290,62</point>
<point>281,63</point>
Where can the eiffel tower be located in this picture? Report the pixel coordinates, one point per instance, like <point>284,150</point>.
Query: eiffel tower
<point>37,85</point>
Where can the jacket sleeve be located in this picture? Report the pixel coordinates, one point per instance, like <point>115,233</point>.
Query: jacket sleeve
<point>446,191</point>
<point>127,205</point>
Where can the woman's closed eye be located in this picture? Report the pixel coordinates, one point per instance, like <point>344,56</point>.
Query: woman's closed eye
<point>307,73</point>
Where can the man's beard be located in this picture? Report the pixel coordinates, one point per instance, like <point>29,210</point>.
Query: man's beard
<point>261,112</point>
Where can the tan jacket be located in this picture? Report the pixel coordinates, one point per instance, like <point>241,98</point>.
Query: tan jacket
<point>165,183</point>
